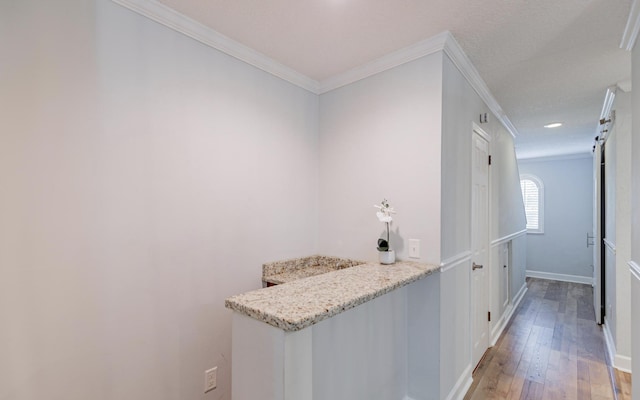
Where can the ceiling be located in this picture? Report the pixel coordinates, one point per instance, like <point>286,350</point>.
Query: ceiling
<point>543,60</point>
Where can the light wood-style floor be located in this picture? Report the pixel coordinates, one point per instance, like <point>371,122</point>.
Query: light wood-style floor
<point>552,349</point>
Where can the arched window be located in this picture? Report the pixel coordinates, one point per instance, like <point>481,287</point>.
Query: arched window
<point>533,197</point>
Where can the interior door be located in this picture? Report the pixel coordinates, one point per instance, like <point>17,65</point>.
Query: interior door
<point>597,233</point>
<point>479,246</point>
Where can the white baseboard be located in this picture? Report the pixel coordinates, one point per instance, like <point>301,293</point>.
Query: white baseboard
<point>500,325</point>
<point>620,362</point>
<point>462,385</point>
<point>588,280</point>
<point>518,298</point>
<point>460,388</point>
<point>506,316</point>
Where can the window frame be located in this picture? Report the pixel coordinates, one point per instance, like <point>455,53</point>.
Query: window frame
<point>538,182</point>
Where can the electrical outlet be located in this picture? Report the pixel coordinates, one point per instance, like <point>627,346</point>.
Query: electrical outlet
<point>414,248</point>
<point>210,379</point>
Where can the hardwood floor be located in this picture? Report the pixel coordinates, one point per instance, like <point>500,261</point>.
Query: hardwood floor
<point>551,349</point>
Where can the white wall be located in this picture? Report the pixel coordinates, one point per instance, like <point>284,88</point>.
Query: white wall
<point>635,216</point>
<point>145,178</point>
<point>568,208</point>
<point>380,138</point>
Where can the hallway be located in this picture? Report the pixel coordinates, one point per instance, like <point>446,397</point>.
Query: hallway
<point>552,349</point>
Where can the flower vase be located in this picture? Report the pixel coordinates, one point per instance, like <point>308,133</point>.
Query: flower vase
<point>387,257</point>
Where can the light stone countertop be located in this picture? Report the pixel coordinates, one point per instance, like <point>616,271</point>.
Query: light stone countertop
<point>297,305</point>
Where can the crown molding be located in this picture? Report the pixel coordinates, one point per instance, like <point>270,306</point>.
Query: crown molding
<point>444,41</point>
<point>391,60</point>
<point>558,157</point>
<point>469,71</point>
<point>179,22</point>
<point>632,28</point>
<point>441,42</point>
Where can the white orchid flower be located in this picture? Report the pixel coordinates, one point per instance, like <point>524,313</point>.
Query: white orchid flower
<point>384,215</point>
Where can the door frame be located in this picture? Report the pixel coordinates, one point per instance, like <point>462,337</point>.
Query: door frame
<point>599,225</point>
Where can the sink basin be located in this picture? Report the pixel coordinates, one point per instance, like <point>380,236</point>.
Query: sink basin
<point>278,272</point>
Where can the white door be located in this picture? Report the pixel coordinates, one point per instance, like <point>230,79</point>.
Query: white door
<point>597,232</point>
<point>479,246</point>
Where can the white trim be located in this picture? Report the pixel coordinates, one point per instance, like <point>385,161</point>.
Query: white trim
<point>609,344</point>
<point>462,385</point>
<point>588,280</point>
<point>559,157</point>
<point>506,316</point>
<point>609,98</point>
<point>626,85</point>
<point>180,23</point>
<point>520,295</point>
<point>609,245</point>
<point>634,268</point>
<point>507,238</point>
<point>391,60</point>
<point>458,259</point>
<point>605,114</point>
<point>478,129</point>
<point>469,71</point>
<point>622,363</point>
<point>631,29</point>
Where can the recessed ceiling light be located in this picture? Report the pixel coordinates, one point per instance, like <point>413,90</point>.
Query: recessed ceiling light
<point>553,125</point>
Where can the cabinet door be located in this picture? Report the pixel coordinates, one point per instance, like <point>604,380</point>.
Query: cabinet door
<point>505,270</point>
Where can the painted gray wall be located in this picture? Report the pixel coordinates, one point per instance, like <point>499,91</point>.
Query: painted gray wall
<point>635,216</point>
<point>145,178</point>
<point>610,152</point>
<point>568,210</point>
<point>380,138</point>
<point>461,107</point>
<point>618,231</point>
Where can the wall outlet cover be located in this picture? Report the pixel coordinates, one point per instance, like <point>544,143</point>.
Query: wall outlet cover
<point>414,248</point>
<point>210,379</point>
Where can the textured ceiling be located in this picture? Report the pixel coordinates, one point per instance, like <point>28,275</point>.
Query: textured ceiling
<point>543,60</point>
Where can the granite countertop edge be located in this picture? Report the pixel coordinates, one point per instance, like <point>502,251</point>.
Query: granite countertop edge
<point>297,305</point>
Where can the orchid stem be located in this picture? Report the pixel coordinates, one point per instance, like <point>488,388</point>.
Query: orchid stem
<point>388,244</point>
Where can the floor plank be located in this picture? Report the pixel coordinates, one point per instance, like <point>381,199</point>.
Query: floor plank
<point>551,349</point>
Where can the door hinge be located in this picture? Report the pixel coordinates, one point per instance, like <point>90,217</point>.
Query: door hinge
<point>489,316</point>
<point>489,160</point>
